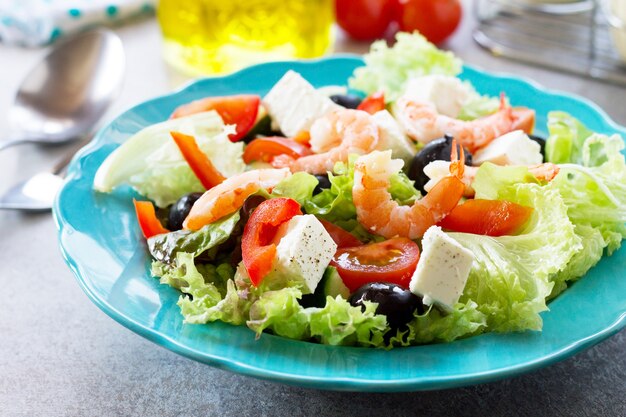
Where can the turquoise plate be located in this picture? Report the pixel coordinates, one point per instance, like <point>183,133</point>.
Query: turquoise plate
<point>102,244</point>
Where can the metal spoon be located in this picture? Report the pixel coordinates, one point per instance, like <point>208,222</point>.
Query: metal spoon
<point>74,108</point>
<point>39,191</point>
<point>63,97</point>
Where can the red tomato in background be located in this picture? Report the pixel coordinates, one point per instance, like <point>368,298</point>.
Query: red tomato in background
<point>393,261</point>
<point>364,19</point>
<point>435,19</point>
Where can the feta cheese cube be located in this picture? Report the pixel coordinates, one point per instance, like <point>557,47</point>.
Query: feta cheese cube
<point>303,251</point>
<point>442,270</point>
<point>514,148</point>
<point>392,137</point>
<point>294,104</point>
<point>436,171</point>
<point>446,93</point>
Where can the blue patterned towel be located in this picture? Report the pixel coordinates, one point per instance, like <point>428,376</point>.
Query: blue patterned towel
<point>38,22</point>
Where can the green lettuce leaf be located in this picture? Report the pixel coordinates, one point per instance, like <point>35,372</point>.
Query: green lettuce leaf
<point>339,323</point>
<point>211,292</point>
<point>566,139</point>
<point>411,56</point>
<point>593,245</point>
<point>434,326</point>
<point>592,183</point>
<point>205,241</point>
<point>511,275</point>
<point>477,105</point>
<point>280,312</point>
<point>298,186</point>
<point>491,179</point>
<point>151,163</point>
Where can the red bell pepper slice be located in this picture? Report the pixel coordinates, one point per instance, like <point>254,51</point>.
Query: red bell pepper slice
<point>241,110</point>
<point>257,249</point>
<point>264,149</point>
<point>373,103</point>
<point>487,217</point>
<point>200,164</point>
<point>148,222</point>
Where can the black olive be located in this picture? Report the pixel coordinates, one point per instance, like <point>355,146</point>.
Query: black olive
<point>180,210</point>
<point>263,127</point>
<point>542,142</point>
<point>437,150</point>
<point>349,101</point>
<point>323,183</point>
<point>249,205</point>
<point>395,302</point>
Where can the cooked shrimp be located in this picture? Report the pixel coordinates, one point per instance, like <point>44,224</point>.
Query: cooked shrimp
<point>437,170</point>
<point>378,212</point>
<point>333,138</point>
<point>423,124</point>
<point>228,196</point>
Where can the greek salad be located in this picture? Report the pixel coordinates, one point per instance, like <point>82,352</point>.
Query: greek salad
<point>404,208</point>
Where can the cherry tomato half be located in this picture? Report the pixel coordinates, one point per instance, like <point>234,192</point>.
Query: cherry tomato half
<point>487,217</point>
<point>435,19</point>
<point>392,261</point>
<point>264,149</point>
<point>240,110</point>
<point>364,19</point>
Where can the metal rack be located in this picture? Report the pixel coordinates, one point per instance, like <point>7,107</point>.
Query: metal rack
<point>572,37</point>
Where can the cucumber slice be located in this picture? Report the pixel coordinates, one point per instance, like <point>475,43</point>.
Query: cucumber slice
<point>331,284</point>
<point>263,127</point>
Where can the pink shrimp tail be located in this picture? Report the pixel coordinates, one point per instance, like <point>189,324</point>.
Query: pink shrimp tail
<point>457,165</point>
<point>505,107</point>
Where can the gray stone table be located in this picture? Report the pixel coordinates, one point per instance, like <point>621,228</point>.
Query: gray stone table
<point>60,355</point>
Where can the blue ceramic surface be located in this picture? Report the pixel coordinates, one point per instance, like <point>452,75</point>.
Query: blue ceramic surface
<point>103,246</point>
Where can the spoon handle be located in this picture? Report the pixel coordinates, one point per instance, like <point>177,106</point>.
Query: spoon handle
<point>12,142</point>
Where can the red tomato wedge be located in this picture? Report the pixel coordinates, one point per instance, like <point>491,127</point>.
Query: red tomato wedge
<point>265,149</point>
<point>241,111</point>
<point>257,249</point>
<point>148,222</point>
<point>373,103</point>
<point>487,217</point>
<point>200,164</point>
<point>393,261</point>
<point>342,238</point>
<point>524,119</point>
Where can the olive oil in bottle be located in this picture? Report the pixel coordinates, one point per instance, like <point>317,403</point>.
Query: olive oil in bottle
<point>220,36</point>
